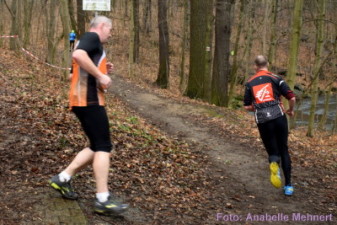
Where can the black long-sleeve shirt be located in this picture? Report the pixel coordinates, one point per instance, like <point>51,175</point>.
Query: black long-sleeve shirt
<point>263,91</point>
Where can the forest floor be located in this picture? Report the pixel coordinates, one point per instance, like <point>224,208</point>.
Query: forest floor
<point>176,161</point>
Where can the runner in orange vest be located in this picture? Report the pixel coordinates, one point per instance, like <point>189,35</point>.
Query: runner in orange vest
<point>89,81</point>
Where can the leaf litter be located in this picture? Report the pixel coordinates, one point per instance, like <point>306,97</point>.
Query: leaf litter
<point>169,183</point>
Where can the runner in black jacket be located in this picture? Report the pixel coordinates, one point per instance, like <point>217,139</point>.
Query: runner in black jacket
<point>263,97</point>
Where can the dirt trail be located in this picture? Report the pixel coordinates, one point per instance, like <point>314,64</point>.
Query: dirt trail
<point>242,173</point>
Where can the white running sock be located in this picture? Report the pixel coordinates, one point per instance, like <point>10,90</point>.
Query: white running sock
<point>102,197</point>
<point>64,177</point>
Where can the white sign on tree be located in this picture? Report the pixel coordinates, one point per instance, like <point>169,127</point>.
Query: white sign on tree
<point>97,5</point>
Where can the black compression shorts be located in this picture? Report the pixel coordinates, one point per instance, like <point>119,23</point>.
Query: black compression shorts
<point>95,123</point>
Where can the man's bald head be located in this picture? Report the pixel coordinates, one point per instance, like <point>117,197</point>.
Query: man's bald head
<point>261,61</point>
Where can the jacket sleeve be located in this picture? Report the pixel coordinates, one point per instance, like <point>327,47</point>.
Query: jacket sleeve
<point>248,97</point>
<point>285,90</point>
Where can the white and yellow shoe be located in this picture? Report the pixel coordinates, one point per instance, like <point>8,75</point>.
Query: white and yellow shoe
<point>275,177</point>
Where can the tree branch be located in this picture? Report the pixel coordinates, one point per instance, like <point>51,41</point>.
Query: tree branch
<point>9,9</point>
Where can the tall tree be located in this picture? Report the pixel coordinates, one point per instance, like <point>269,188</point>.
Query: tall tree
<point>80,17</point>
<point>19,19</point>
<point>134,36</point>
<point>317,66</point>
<point>28,12</point>
<point>295,42</point>
<point>249,35</point>
<point>135,32</point>
<point>72,15</point>
<point>147,16</point>
<point>294,47</point>
<point>14,27</point>
<point>265,26</point>
<point>51,28</point>
<point>164,60</point>
<point>182,85</point>
<point>198,56</point>
<point>221,68</point>
<point>65,18</point>
<point>233,71</point>
<point>207,95</point>
<point>273,37</point>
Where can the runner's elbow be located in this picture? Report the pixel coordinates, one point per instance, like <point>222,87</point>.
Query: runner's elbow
<point>78,54</point>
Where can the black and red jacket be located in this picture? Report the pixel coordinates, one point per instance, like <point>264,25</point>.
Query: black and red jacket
<point>264,91</point>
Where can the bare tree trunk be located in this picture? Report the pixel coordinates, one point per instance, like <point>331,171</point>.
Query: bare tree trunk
<point>294,45</point>
<point>14,27</point>
<point>233,71</point>
<point>183,80</point>
<point>65,18</point>
<point>273,38</point>
<point>147,16</point>
<point>198,43</point>
<point>72,15</point>
<point>209,50</point>
<point>136,27</point>
<point>131,43</point>
<point>221,68</point>
<point>80,18</point>
<point>134,36</point>
<point>264,38</point>
<point>164,60</point>
<point>317,67</point>
<point>51,31</point>
<point>28,11</point>
<point>294,48</point>
<point>19,19</point>
<point>249,36</point>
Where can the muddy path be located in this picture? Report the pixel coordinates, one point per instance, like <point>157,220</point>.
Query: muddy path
<point>240,172</point>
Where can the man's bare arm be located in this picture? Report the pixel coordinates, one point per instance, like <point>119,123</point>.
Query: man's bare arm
<point>85,63</point>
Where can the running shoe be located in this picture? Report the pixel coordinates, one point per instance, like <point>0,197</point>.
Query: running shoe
<point>63,187</point>
<point>288,190</point>
<point>110,207</point>
<point>275,177</point>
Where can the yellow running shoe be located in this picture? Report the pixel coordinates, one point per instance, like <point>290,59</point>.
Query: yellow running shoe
<point>63,187</point>
<point>275,177</point>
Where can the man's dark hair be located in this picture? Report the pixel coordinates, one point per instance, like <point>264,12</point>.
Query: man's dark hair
<point>261,61</point>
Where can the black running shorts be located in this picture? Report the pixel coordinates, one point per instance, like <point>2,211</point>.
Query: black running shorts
<point>95,123</point>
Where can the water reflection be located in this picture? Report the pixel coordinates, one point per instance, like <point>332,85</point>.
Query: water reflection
<point>303,111</point>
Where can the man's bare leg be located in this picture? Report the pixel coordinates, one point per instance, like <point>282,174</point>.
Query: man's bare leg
<point>82,159</point>
<point>101,165</point>
<point>61,182</point>
<point>103,203</point>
